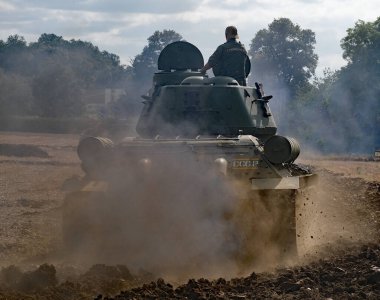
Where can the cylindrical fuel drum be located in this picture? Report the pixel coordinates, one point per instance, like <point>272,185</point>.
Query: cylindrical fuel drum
<point>279,149</point>
<point>93,147</point>
<point>94,153</point>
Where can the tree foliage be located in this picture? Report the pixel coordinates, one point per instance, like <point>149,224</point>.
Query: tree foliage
<point>56,71</point>
<point>15,94</point>
<point>52,74</point>
<point>343,110</point>
<point>362,43</point>
<point>361,81</point>
<point>57,93</point>
<point>284,54</point>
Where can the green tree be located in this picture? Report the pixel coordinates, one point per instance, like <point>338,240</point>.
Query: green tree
<point>341,111</point>
<point>10,51</point>
<point>313,116</point>
<point>360,82</point>
<point>284,54</point>
<point>362,43</point>
<point>57,93</point>
<point>15,41</point>
<point>16,95</point>
<point>48,77</point>
<point>51,39</point>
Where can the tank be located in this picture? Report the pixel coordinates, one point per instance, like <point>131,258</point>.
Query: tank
<point>210,135</point>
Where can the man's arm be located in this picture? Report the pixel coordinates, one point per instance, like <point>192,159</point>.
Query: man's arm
<point>213,60</point>
<point>205,68</point>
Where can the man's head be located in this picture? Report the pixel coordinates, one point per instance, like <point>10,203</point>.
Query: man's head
<point>231,32</point>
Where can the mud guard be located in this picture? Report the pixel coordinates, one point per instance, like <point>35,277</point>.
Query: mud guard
<point>284,183</point>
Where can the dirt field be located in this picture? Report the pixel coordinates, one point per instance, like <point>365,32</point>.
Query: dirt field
<point>338,236</point>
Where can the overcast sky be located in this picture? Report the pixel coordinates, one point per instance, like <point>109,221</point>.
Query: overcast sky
<point>123,26</point>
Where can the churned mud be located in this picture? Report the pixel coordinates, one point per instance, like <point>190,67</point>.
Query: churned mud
<point>338,228</point>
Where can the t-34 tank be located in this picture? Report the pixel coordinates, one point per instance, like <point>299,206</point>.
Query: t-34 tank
<point>210,136</point>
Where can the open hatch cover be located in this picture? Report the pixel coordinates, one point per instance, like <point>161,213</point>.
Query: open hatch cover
<point>180,56</point>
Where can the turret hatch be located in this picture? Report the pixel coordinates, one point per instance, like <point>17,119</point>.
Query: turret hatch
<point>180,55</point>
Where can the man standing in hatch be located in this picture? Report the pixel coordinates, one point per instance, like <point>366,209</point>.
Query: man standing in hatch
<point>229,59</point>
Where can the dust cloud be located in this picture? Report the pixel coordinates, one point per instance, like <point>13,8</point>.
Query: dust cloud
<point>333,216</point>
<point>176,217</point>
<point>333,115</point>
<point>167,218</point>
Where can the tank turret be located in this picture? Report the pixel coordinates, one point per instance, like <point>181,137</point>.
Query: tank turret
<point>182,102</point>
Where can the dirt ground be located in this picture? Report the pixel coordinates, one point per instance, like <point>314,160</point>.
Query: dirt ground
<point>338,226</point>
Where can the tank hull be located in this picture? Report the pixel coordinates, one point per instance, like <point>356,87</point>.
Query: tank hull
<point>253,198</point>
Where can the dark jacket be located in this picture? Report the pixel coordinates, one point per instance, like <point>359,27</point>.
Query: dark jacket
<point>229,59</point>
